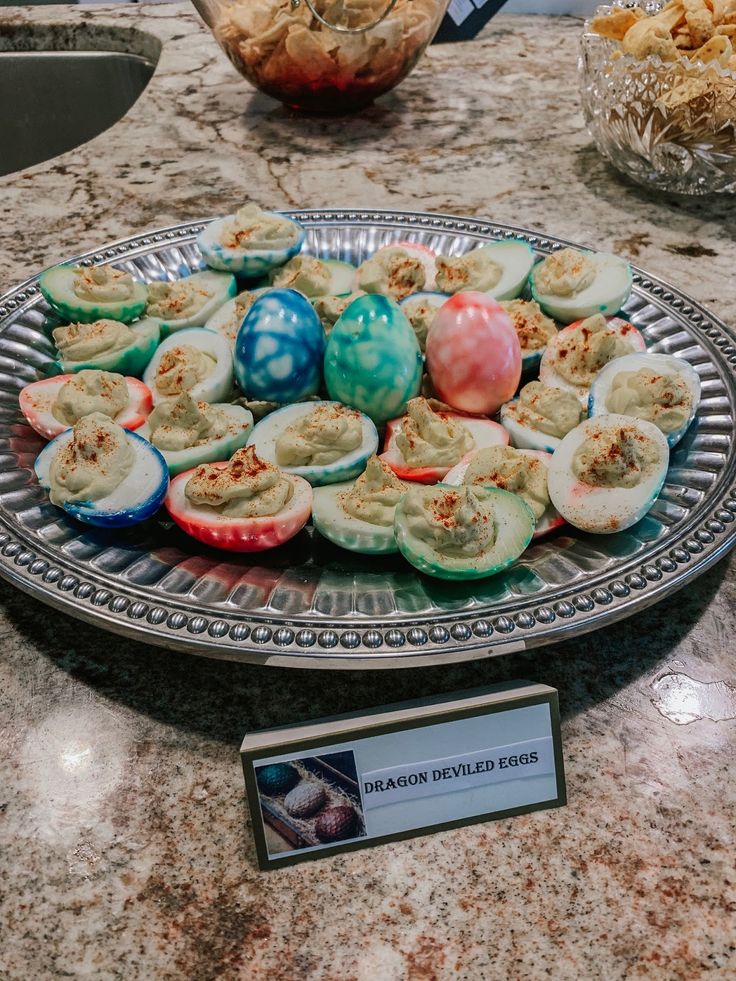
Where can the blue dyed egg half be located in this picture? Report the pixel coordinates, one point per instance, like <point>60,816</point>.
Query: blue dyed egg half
<point>373,361</point>
<point>280,348</point>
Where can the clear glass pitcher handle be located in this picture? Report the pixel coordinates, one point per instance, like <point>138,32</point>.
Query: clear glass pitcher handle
<point>346,30</point>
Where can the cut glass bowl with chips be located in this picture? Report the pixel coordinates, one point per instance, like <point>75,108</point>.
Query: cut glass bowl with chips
<point>326,56</point>
<point>658,85</point>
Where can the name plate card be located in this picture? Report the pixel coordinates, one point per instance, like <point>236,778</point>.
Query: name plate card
<point>402,770</point>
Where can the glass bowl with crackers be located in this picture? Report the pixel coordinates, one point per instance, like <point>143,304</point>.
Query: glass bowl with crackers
<point>325,56</point>
<point>658,87</point>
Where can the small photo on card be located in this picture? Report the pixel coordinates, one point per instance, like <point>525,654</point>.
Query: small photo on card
<point>310,802</point>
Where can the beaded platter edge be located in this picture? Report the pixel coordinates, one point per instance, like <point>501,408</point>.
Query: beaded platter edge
<point>451,636</point>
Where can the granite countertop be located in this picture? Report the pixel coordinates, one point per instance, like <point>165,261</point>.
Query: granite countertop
<point>126,845</point>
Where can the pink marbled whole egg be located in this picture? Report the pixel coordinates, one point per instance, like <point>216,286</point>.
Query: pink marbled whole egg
<point>473,354</point>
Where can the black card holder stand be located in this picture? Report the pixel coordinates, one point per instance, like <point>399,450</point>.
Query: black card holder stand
<point>471,21</point>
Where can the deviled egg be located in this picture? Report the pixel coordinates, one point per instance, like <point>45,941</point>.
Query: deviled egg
<point>88,293</point>
<point>461,532</point>
<point>330,308</point>
<point>188,302</point>
<point>194,360</point>
<point>52,405</point>
<point>522,472</point>
<point>251,242</point>
<point>188,433</point>
<point>226,320</point>
<point>425,443</point>
<point>242,505</point>
<point>533,329</point>
<point>420,310</point>
<point>575,355</point>
<point>359,515</point>
<point>102,474</point>
<point>107,345</point>
<point>607,472</point>
<point>541,416</point>
<point>323,442</point>
<point>315,277</point>
<point>570,285</point>
<point>656,387</point>
<point>500,269</point>
<point>394,272</point>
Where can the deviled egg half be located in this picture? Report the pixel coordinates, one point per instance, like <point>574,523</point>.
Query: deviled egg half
<point>242,505</point>
<point>570,285</point>
<point>420,310</point>
<point>107,345</point>
<point>188,433</point>
<point>52,405</point>
<point>88,293</point>
<point>251,242</point>
<point>359,515</point>
<point>323,442</point>
<point>396,271</point>
<point>315,277</point>
<point>657,387</point>
<point>461,532</point>
<point>194,360</point>
<point>607,472</point>
<point>500,269</point>
<point>425,443</point>
<point>226,320</point>
<point>533,328</point>
<point>522,472</point>
<point>540,416</point>
<point>102,474</point>
<point>188,302</point>
<point>330,308</point>
<point>575,355</point>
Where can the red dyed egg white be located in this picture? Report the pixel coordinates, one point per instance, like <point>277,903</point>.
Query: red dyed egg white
<point>485,432</point>
<point>239,534</point>
<point>36,401</point>
<point>473,354</point>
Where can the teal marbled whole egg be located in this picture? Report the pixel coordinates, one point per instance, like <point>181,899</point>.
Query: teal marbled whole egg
<point>276,779</point>
<point>372,360</point>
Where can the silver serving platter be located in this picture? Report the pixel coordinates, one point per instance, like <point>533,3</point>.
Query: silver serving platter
<point>309,604</point>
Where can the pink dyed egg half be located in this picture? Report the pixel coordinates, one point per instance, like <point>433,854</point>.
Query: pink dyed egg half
<point>473,354</point>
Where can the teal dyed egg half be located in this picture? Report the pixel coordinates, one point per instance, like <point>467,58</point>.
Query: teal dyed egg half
<point>279,348</point>
<point>372,360</point>
<point>276,779</point>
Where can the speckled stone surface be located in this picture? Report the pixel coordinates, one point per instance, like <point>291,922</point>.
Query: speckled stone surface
<point>125,847</point>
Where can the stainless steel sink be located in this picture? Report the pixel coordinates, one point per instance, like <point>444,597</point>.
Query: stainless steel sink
<point>53,101</point>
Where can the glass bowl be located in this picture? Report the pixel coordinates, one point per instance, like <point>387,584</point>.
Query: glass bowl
<point>328,56</point>
<point>667,125</point>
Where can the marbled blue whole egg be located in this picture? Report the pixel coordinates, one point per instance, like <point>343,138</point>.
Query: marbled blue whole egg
<point>276,778</point>
<point>372,361</point>
<point>279,348</point>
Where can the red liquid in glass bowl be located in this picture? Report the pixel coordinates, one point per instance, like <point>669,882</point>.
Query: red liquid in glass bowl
<point>287,53</point>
